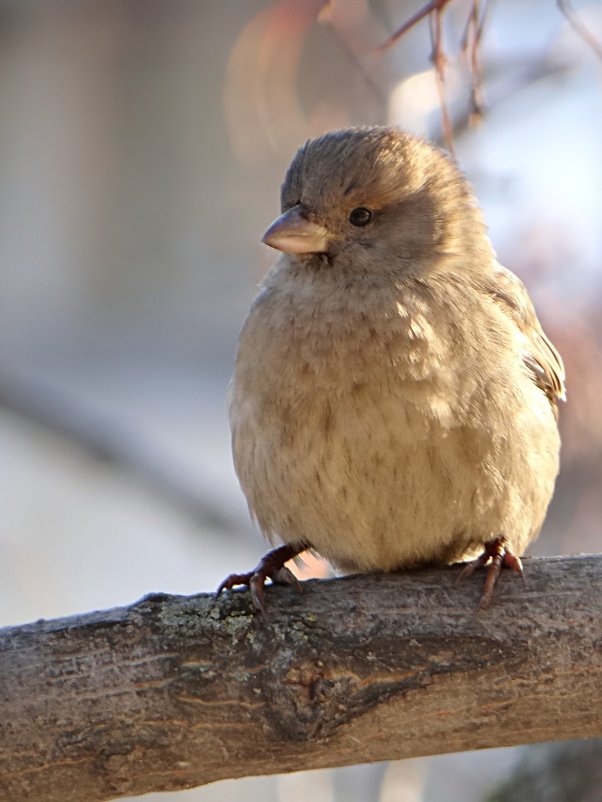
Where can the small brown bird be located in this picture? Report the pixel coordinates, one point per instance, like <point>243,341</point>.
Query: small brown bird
<point>394,400</point>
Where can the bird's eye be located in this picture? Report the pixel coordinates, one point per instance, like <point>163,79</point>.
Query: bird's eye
<point>360,217</point>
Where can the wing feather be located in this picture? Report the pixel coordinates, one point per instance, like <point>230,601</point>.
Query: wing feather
<point>540,356</point>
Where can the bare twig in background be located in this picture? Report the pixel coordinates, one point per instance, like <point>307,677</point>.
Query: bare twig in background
<point>517,77</point>
<point>174,692</point>
<point>434,5</point>
<point>579,26</point>
<point>434,11</point>
<point>439,60</point>
<point>471,44</point>
<point>105,439</point>
<point>471,48</point>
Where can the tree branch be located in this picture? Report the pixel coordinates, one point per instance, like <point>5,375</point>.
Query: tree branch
<point>174,692</point>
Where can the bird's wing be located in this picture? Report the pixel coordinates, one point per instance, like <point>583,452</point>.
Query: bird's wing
<point>542,359</point>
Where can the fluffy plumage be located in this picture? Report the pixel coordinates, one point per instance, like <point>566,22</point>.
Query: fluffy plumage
<point>394,399</point>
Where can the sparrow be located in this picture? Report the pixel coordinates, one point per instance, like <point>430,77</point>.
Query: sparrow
<point>394,401</point>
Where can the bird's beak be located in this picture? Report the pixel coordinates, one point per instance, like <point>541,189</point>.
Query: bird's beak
<point>292,232</point>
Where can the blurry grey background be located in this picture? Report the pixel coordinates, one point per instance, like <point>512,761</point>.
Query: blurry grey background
<point>142,145</point>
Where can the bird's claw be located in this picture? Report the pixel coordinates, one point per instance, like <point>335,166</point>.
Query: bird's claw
<point>498,554</point>
<point>284,576</point>
<point>271,566</point>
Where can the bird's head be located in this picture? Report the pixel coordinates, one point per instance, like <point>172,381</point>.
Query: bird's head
<point>376,199</point>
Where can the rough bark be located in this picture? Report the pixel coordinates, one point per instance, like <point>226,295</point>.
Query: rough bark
<point>174,692</point>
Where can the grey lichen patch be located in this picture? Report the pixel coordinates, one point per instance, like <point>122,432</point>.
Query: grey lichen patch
<point>297,633</point>
<point>237,625</point>
<point>180,623</point>
<point>189,620</point>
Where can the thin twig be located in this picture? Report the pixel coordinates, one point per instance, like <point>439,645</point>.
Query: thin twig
<point>439,62</point>
<point>434,11</point>
<point>433,5</point>
<point>471,43</point>
<point>530,73</point>
<point>579,26</point>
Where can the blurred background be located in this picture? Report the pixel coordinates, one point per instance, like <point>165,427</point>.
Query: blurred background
<point>142,146</point>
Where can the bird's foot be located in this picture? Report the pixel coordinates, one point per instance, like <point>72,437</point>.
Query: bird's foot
<point>499,555</point>
<point>271,566</point>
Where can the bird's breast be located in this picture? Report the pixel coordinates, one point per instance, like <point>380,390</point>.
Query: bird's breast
<point>357,358</point>
<point>359,426</point>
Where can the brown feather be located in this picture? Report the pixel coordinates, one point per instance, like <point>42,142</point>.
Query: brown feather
<point>542,359</point>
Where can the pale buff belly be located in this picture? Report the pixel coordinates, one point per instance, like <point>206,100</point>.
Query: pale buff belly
<point>373,481</point>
